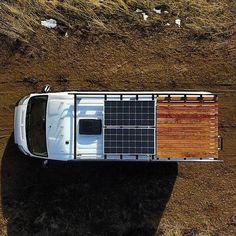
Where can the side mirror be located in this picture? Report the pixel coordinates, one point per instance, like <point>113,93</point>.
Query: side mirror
<point>46,89</point>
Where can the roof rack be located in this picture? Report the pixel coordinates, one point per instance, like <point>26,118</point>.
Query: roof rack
<point>151,158</point>
<point>160,96</point>
<point>105,93</point>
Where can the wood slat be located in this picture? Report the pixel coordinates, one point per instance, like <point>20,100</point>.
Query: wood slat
<point>183,136</point>
<point>184,107</point>
<point>187,154</point>
<point>188,105</point>
<point>185,116</point>
<point>182,99</point>
<point>190,112</point>
<point>203,125</point>
<point>185,121</point>
<point>189,142</point>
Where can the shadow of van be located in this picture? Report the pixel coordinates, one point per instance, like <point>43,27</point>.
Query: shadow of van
<point>83,198</point>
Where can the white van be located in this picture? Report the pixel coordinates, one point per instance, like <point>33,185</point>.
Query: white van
<point>118,126</point>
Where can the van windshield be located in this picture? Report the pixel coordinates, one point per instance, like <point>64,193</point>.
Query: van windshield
<point>36,125</point>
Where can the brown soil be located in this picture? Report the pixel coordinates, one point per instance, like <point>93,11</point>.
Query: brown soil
<point>124,199</point>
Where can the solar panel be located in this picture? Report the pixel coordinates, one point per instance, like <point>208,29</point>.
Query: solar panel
<point>129,140</point>
<point>129,113</point>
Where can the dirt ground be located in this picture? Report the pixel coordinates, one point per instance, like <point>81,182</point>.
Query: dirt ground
<point>124,199</point>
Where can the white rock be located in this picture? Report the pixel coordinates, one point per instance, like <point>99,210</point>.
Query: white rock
<point>178,22</point>
<point>158,11</point>
<point>50,23</point>
<point>166,12</point>
<point>66,35</point>
<point>145,16</point>
<point>139,10</point>
<point>168,24</point>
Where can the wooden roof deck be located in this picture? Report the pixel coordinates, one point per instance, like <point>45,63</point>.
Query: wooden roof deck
<point>187,128</point>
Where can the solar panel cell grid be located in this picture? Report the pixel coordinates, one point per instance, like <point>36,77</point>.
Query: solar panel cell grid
<point>129,141</point>
<point>132,113</point>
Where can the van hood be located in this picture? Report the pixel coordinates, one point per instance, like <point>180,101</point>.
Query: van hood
<point>60,128</point>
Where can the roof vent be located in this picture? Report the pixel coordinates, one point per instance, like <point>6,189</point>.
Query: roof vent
<point>90,126</point>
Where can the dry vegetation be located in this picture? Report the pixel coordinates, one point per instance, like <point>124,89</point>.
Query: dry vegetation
<point>111,47</point>
<point>21,18</point>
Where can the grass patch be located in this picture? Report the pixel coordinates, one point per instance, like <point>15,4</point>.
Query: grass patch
<point>21,18</point>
